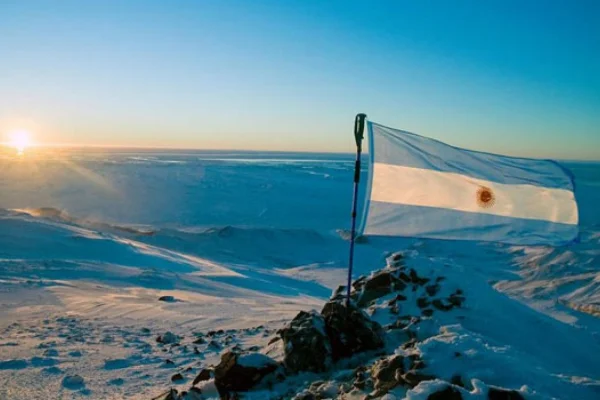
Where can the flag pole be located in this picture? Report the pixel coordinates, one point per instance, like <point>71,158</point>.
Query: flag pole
<point>359,128</point>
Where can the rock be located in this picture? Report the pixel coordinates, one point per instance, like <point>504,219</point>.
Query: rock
<point>413,378</point>
<point>306,395</point>
<point>239,373</point>
<point>177,377</point>
<point>193,394</point>
<point>396,299</point>
<point>422,302</point>
<point>338,293</point>
<point>409,344</point>
<point>397,257</point>
<point>213,344</point>
<point>456,298</point>
<point>398,324</point>
<point>448,393</point>
<point>378,285</point>
<point>275,339</point>
<point>359,283</point>
<point>168,299</point>
<point>116,382</point>
<point>204,375</point>
<point>428,312</point>
<point>456,380</point>
<point>387,373</point>
<point>51,353</point>
<point>432,290</point>
<point>306,344</point>
<point>199,341</point>
<point>440,305</point>
<point>495,393</point>
<point>73,382</point>
<point>360,382</point>
<point>403,277</point>
<point>168,338</point>
<point>172,394</point>
<point>350,330</point>
<point>326,390</point>
<point>416,279</point>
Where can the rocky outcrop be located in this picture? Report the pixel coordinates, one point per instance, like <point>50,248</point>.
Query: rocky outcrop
<point>306,344</point>
<point>350,330</point>
<point>312,341</point>
<point>345,337</point>
<point>378,285</point>
<point>241,372</point>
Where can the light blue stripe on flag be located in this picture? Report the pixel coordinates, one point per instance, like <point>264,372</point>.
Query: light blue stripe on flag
<point>420,187</point>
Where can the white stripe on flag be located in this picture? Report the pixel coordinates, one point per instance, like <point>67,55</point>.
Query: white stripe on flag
<point>428,188</point>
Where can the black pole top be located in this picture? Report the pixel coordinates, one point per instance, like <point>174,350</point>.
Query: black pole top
<point>359,129</point>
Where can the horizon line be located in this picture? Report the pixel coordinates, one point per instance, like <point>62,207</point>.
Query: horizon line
<point>176,148</point>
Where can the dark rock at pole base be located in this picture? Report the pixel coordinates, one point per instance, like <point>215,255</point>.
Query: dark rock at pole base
<point>448,393</point>
<point>234,375</point>
<point>495,393</point>
<point>306,345</point>
<point>350,330</point>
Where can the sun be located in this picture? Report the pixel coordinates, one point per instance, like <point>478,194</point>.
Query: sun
<point>20,140</point>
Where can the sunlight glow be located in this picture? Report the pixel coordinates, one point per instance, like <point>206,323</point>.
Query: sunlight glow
<point>20,140</point>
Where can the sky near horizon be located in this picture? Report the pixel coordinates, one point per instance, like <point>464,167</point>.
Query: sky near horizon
<point>512,77</point>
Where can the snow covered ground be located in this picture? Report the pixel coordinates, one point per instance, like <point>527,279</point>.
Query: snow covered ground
<point>89,241</point>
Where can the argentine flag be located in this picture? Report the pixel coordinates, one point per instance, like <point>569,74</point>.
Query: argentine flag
<point>420,187</point>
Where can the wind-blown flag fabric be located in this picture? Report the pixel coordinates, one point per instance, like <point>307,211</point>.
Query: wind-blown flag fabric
<point>420,187</point>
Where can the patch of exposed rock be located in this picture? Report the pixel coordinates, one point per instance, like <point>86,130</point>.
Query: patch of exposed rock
<point>241,372</point>
<point>350,330</point>
<point>306,344</point>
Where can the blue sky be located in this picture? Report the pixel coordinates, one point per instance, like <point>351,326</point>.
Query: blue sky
<point>513,77</point>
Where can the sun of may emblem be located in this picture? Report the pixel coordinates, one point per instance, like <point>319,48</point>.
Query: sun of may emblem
<point>485,197</point>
